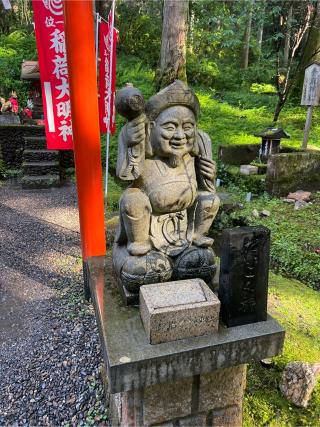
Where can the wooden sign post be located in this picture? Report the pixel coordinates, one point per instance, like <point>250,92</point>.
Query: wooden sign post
<point>310,96</point>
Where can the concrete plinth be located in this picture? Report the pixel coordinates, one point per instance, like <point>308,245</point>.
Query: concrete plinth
<point>192,381</point>
<point>213,399</point>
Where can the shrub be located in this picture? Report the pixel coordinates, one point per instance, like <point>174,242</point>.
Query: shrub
<point>203,72</point>
<point>262,88</point>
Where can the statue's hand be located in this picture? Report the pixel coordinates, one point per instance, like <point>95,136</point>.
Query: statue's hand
<point>207,168</point>
<point>136,132</point>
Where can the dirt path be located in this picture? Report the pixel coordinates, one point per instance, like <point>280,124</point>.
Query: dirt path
<point>49,347</point>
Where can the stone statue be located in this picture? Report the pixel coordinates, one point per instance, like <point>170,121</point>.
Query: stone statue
<point>168,208</point>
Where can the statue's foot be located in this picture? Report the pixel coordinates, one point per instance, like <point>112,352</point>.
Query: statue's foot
<point>139,248</point>
<point>203,242</point>
<point>135,271</point>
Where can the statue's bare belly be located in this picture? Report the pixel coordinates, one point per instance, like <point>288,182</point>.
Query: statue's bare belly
<point>171,189</point>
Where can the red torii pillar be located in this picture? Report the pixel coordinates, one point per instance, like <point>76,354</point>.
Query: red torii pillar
<point>80,46</point>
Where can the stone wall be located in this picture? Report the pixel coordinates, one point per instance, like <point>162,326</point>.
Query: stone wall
<point>213,399</point>
<point>293,171</point>
<point>12,145</point>
<point>244,154</point>
<point>240,154</point>
<point>66,159</point>
<point>12,142</point>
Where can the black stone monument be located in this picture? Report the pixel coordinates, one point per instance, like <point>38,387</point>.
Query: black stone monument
<point>243,284</point>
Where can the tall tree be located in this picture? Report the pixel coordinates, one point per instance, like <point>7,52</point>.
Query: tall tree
<point>311,50</point>
<point>286,78</point>
<point>246,38</point>
<point>261,26</point>
<point>287,37</point>
<point>173,45</point>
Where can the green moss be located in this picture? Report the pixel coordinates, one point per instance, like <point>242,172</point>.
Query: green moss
<point>298,310</point>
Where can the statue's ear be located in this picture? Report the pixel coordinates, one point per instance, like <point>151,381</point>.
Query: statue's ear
<point>148,148</point>
<point>195,149</point>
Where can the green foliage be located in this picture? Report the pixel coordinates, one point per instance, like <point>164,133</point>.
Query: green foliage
<point>260,72</point>
<point>248,183</point>
<point>262,88</point>
<point>201,72</point>
<point>14,48</point>
<point>140,25</point>
<point>115,189</point>
<point>294,233</point>
<point>297,308</point>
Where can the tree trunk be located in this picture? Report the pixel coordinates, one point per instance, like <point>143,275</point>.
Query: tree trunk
<point>311,51</point>
<point>287,37</point>
<point>174,39</point>
<point>261,27</point>
<point>246,38</point>
<point>279,106</point>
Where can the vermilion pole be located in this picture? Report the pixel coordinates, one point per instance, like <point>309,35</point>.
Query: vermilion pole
<point>79,37</point>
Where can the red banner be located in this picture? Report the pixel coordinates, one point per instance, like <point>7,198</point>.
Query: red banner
<point>105,79</point>
<point>49,29</point>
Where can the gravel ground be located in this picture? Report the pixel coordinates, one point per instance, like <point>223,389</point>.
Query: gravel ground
<point>50,359</point>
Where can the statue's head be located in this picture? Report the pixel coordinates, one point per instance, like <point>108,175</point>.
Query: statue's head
<point>172,115</point>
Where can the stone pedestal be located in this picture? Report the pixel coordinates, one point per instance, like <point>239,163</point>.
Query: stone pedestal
<point>213,399</point>
<point>189,382</point>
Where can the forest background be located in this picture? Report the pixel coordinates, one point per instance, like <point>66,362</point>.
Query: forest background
<point>246,60</point>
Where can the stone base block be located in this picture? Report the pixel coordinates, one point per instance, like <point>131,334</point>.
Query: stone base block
<point>248,170</point>
<point>175,310</point>
<point>213,399</point>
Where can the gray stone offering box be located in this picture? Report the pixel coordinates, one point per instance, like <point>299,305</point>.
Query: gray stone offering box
<point>195,381</point>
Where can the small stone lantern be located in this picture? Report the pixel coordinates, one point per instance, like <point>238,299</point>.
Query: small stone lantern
<point>270,144</point>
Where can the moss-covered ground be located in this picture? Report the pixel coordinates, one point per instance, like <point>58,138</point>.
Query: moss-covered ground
<point>297,308</point>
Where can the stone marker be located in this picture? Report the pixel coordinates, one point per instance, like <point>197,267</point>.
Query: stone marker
<point>310,96</point>
<point>248,170</point>
<point>265,213</point>
<point>298,381</point>
<point>243,287</point>
<point>175,310</point>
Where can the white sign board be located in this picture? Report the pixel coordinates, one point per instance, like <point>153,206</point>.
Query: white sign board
<point>311,85</point>
<point>6,4</point>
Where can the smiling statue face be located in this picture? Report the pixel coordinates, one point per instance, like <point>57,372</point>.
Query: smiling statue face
<point>173,134</point>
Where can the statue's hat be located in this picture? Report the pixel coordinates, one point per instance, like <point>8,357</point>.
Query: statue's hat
<point>175,94</point>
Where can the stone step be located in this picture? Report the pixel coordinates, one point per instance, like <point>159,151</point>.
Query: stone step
<point>35,142</point>
<point>40,155</point>
<point>41,168</point>
<point>40,181</point>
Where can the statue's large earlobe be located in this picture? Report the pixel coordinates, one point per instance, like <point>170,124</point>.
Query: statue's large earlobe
<point>195,149</point>
<point>148,148</point>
